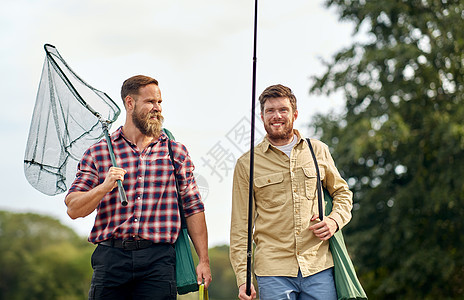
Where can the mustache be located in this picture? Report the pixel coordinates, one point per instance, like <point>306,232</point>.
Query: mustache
<point>157,115</point>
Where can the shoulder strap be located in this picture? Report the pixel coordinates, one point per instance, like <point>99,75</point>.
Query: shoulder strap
<point>318,184</point>
<point>179,200</point>
<point>169,134</point>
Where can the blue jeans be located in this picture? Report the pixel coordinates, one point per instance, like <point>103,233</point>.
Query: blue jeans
<point>139,274</point>
<point>320,286</point>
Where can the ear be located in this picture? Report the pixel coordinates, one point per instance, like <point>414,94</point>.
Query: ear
<point>295,114</point>
<point>130,103</point>
<point>262,117</point>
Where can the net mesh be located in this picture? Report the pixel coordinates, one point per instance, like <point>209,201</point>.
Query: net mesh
<point>65,122</point>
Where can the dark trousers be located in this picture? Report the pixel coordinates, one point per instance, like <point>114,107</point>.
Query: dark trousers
<point>148,273</point>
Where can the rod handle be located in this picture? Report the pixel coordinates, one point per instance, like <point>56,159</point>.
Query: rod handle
<point>122,193</point>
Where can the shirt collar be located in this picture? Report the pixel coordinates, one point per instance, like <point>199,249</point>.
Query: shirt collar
<point>265,145</point>
<point>118,134</point>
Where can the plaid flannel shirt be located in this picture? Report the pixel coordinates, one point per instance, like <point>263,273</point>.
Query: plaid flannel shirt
<point>152,212</point>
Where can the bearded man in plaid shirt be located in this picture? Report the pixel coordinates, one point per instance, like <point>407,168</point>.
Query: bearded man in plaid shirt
<point>135,256</point>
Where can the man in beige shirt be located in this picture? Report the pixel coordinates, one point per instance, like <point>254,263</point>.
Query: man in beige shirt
<point>292,258</point>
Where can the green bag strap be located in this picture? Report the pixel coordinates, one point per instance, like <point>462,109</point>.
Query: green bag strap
<point>169,134</point>
<point>183,222</point>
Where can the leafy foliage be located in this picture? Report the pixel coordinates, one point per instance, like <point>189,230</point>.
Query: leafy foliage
<point>400,143</point>
<point>42,259</point>
<point>224,285</point>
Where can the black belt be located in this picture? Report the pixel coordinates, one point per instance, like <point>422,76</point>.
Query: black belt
<point>127,244</point>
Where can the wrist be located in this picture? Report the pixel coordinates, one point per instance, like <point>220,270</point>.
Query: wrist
<point>203,260</point>
<point>335,222</point>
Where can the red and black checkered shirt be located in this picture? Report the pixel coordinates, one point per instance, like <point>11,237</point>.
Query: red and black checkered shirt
<point>152,212</point>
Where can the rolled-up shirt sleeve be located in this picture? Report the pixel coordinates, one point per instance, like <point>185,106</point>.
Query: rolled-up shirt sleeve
<point>87,176</point>
<point>189,192</point>
<point>338,189</point>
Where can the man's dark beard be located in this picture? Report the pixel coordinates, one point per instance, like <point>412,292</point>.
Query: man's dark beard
<point>147,126</point>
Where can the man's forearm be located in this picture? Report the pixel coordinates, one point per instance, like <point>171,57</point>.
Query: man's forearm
<point>81,204</point>
<point>198,232</point>
<point>196,225</point>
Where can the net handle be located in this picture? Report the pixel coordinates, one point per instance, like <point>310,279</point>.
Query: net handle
<point>122,192</point>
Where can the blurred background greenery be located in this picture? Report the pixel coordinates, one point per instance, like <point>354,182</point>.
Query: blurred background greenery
<point>399,142</point>
<point>42,259</point>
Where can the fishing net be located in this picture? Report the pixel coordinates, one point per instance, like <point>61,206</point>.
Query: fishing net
<point>67,119</point>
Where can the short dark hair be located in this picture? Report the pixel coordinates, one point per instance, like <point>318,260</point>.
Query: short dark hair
<point>132,85</point>
<point>276,91</point>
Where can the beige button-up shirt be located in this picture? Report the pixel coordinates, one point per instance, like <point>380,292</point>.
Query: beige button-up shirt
<point>285,198</point>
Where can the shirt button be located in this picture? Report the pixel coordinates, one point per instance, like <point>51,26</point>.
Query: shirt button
<point>138,198</point>
<point>135,220</point>
<point>268,181</point>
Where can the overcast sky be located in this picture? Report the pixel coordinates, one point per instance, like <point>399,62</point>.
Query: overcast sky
<point>201,54</point>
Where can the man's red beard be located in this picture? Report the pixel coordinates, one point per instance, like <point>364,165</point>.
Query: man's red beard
<point>285,134</point>
<point>147,125</point>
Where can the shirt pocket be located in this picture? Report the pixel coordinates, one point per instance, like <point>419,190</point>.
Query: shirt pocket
<point>270,190</point>
<point>310,180</point>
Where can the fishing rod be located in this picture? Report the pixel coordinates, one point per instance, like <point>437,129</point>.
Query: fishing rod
<point>252,157</point>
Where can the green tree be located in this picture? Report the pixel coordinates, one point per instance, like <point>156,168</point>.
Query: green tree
<point>42,259</point>
<point>400,143</point>
<point>224,285</point>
